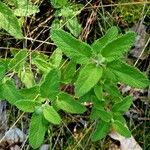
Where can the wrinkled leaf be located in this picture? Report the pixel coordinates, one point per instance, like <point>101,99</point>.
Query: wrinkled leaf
<point>58,3</point>
<point>25,8</point>
<point>98,90</point>
<point>9,92</point>
<point>110,35</point>
<point>112,89</point>
<point>74,27</point>
<point>122,106</point>
<point>69,72</point>
<point>50,86</point>
<point>26,105</point>
<point>2,70</point>
<point>18,61</point>
<point>118,47</point>
<point>41,63</point>
<point>104,115</point>
<point>120,128</point>
<point>128,74</point>
<point>37,130</point>
<point>51,115</point>
<point>29,93</point>
<point>9,21</point>
<point>68,104</point>
<point>88,78</point>
<point>102,129</point>
<point>75,49</point>
<point>56,58</point>
<point>27,78</point>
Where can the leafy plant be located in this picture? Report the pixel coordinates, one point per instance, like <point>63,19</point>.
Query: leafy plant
<point>94,70</point>
<point>67,11</point>
<point>9,21</point>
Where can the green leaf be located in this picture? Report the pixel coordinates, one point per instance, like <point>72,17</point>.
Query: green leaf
<point>9,92</point>
<point>88,78</point>
<point>69,72</point>
<point>9,21</point>
<point>110,35</point>
<point>25,8</point>
<point>98,90</point>
<point>30,93</point>
<point>118,117</point>
<point>41,63</point>
<point>58,3</point>
<point>128,74</point>
<point>56,58</point>
<point>112,89</point>
<point>118,47</point>
<point>26,105</point>
<point>26,77</point>
<point>73,48</point>
<point>74,27</point>
<point>104,115</point>
<point>122,106</point>
<point>51,115</point>
<point>50,87</point>
<point>2,70</point>
<point>68,104</point>
<point>102,129</point>
<point>95,113</point>
<point>121,129</point>
<point>37,130</point>
<point>18,61</point>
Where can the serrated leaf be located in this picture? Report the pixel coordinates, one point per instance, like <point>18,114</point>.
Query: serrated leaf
<point>51,115</point>
<point>73,48</point>
<point>74,27</point>
<point>9,92</point>
<point>69,72</point>
<point>18,61</point>
<point>26,77</point>
<point>25,8</point>
<point>112,89</point>
<point>56,58</point>
<point>102,129</point>
<point>58,3</point>
<point>30,93</point>
<point>118,47</point>
<point>99,104</point>
<point>94,114</point>
<point>41,63</point>
<point>98,90</point>
<point>110,35</point>
<point>37,130</point>
<point>50,86</point>
<point>88,78</point>
<point>122,106</point>
<point>2,70</point>
<point>68,104</point>
<point>26,105</point>
<point>9,21</point>
<point>86,97</point>
<point>120,128</point>
<point>104,115</point>
<point>128,74</point>
<point>119,117</point>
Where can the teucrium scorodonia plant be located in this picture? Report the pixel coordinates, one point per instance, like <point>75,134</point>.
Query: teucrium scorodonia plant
<point>94,70</point>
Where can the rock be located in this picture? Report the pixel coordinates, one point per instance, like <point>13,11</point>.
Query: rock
<point>14,136</point>
<point>44,147</point>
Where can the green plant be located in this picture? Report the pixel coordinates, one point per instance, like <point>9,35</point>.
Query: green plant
<point>94,70</point>
<point>66,14</point>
